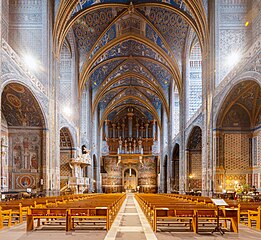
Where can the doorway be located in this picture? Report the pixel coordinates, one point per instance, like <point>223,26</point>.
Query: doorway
<point>130,180</point>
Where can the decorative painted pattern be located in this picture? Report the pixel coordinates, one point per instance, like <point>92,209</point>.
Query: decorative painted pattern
<point>20,107</point>
<point>130,48</point>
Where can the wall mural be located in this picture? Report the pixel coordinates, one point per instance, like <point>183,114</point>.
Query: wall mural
<point>24,123</point>
<point>4,156</point>
<point>25,147</point>
<point>147,173</point>
<point>112,180</point>
<point>20,108</point>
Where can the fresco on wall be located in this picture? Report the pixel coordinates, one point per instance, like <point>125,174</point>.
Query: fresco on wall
<point>24,157</point>
<point>24,123</point>
<point>113,175</point>
<point>113,178</point>
<point>20,107</point>
<point>147,172</point>
<point>4,160</point>
<point>23,181</point>
<point>25,151</point>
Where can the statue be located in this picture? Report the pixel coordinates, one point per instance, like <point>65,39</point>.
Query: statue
<point>140,144</point>
<point>130,147</point>
<point>78,152</point>
<point>86,155</point>
<point>140,160</point>
<point>120,144</point>
<point>134,146</point>
<point>126,146</point>
<point>119,160</point>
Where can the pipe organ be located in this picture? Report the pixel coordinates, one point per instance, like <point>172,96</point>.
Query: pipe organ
<point>130,135</point>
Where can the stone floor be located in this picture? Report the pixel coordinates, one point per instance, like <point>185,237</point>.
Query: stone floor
<point>129,224</point>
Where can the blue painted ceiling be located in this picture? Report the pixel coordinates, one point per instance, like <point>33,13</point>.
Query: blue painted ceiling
<point>138,43</point>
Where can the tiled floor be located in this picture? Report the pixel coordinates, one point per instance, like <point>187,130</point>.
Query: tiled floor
<point>129,224</point>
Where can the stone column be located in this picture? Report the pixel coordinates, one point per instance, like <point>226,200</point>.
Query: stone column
<point>137,130</point>
<point>141,131</point>
<point>208,81</point>
<point>154,129</point>
<point>182,153</point>
<point>123,130</point>
<point>119,130</point>
<point>187,169</point>
<point>113,130</point>
<point>106,128</point>
<point>146,130</point>
<point>130,115</point>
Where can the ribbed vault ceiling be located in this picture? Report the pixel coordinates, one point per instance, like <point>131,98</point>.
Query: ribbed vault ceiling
<point>130,53</point>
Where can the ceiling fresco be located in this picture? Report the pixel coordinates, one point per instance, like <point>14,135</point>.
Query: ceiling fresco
<point>195,139</point>
<point>101,72</point>
<point>83,4</point>
<point>242,107</point>
<point>130,48</point>
<point>173,27</point>
<point>130,52</point>
<point>20,107</point>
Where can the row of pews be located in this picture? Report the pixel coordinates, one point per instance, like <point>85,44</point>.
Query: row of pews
<point>65,210</point>
<point>184,212</point>
<point>15,211</point>
<point>248,213</point>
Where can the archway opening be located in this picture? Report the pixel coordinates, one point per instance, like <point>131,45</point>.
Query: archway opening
<point>165,174</point>
<point>194,161</point>
<point>175,169</point>
<point>237,139</point>
<point>130,180</point>
<point>65,157</point>
<point>23,141</point>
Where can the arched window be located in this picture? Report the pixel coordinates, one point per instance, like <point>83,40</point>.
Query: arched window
<point>194,87</point>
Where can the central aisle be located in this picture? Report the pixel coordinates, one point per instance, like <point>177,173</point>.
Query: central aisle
<point>130,223</point>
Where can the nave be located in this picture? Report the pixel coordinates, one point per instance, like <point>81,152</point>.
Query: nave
<point>132,221</point>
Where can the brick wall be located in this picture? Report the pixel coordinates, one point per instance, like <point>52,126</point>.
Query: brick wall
<point>236,158</point>
<point>236,151</point>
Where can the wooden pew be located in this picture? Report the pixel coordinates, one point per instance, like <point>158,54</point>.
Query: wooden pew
<point>256,217</point>
<point>87,214</point>
<point>44,213</point>
<point>229,214</point>
<point>173,216</point>
<point>17,212</point>
<point>85,210</point>
<point>5,215</point>
<point>159,208</point>
<point>243,209</point>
